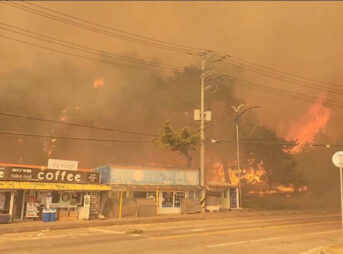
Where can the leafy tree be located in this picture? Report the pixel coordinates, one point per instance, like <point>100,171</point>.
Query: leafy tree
<point>183,140</point>
<point>271,150</point>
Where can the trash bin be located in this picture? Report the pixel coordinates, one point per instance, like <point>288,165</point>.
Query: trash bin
<point>52,214</point>
<point>46,215</point>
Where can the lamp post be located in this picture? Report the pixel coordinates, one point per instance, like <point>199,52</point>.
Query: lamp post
<point>238,115</point>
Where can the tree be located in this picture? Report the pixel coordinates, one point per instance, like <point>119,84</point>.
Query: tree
<point>279,164</point>
<point>183,140</point>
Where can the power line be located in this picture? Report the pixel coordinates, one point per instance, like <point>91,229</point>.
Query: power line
<point>275,143</point>
<point>115,29</point>
<point>284,74</point>
<point>86,49</point>
<point>97,30</point>
<point>74,138</point>
<point>290,80</point>
<point>89,58</point>
<point>92,29</point>
<point>280,92</point>
<point>75,124</point>
<point>35,11</point>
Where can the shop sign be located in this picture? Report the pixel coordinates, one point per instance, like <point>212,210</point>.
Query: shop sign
<point>32,210</point>
<point>48,175</point>
<point>86,207</point>
<point>153,176</point>
<point>62,164</point>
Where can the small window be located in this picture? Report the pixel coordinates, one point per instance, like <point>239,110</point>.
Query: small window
<point>178,198</point>
<point>167,199</point>
<point>151,194</point>
<point>55,197</point>
<point>139,194</point>
<point>76,198</point>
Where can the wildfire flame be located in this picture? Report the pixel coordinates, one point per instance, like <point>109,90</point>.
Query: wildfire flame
<point>253,177</point>
<point>309,125</point>
<point>98,83</point>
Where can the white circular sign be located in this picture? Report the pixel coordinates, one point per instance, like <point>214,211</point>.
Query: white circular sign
<point>337,159</point>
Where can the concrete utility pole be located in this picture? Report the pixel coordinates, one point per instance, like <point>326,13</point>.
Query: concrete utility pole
<point>202,133</point>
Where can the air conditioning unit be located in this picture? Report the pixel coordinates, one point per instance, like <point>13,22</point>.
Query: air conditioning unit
<point>199,208</point>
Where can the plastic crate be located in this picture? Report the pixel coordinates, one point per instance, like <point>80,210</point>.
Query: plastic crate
<point>46,216</point>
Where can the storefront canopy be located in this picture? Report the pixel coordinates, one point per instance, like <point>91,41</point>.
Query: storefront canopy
<point>12,185</point>
<point>219,186</point>
<point>147,187</point>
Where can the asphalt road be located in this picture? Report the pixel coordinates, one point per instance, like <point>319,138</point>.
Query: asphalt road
<point>270,234</point>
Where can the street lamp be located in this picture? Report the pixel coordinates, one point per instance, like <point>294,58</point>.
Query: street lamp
<point>238,115</point>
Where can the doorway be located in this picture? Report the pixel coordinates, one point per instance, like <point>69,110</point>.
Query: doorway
<point>18,205</point>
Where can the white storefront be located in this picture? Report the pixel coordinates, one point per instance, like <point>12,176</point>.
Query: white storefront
<point>170,185</point>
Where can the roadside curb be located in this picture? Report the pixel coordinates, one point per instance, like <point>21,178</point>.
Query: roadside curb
<point>21,227</point>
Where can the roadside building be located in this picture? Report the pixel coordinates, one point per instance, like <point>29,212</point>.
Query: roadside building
<point>26,190</point>
<point>167,190</point>
<point>223,196</point>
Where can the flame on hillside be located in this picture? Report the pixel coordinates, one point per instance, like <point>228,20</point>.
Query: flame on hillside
<point>309,125</point>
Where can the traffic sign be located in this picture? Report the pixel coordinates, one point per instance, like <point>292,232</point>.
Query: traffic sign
<point>337,159</point>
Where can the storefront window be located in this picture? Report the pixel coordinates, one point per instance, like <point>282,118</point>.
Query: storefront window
<point>55,197</point>
<point>167,199</point>
<point>76,199</point>
<point>178,198</point>
<point>5,198</point>
<point>139,194</point>
<point>151,194</point>
<point>2,200</point>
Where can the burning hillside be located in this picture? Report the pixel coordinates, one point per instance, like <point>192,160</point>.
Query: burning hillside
<point>305,129</point>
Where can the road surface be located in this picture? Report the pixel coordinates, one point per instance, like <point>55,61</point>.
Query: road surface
<point>270,234</point>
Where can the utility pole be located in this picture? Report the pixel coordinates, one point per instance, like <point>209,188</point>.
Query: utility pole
<point>202,133</point>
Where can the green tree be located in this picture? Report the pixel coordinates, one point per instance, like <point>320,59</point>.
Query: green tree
<point>183,140</point>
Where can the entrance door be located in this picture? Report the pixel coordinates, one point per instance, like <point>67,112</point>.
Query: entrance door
<point>18,204</point>
<point>233,198</point>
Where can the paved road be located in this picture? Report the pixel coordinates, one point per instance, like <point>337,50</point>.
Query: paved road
<point>253,234</point>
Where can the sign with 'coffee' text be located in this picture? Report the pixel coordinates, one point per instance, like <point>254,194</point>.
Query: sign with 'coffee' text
<point>47,175</point>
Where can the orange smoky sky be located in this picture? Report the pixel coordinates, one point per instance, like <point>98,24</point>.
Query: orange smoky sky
<point>303,38</point>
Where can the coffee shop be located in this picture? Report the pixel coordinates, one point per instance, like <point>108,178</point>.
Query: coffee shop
<point>26,190</point>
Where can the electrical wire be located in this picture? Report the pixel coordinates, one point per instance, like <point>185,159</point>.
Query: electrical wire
<point>264,89</point>
<point>272,71</point>
<point>290,80</point>
<point>97,30</point>
<point>165,42</point>
<point>82,48</point>
<point>74,138</point>
<point>274,143</point>
<point>280,92</point>
<point>117,30</point>
<point>75,124</point>
<point>145,68</point>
